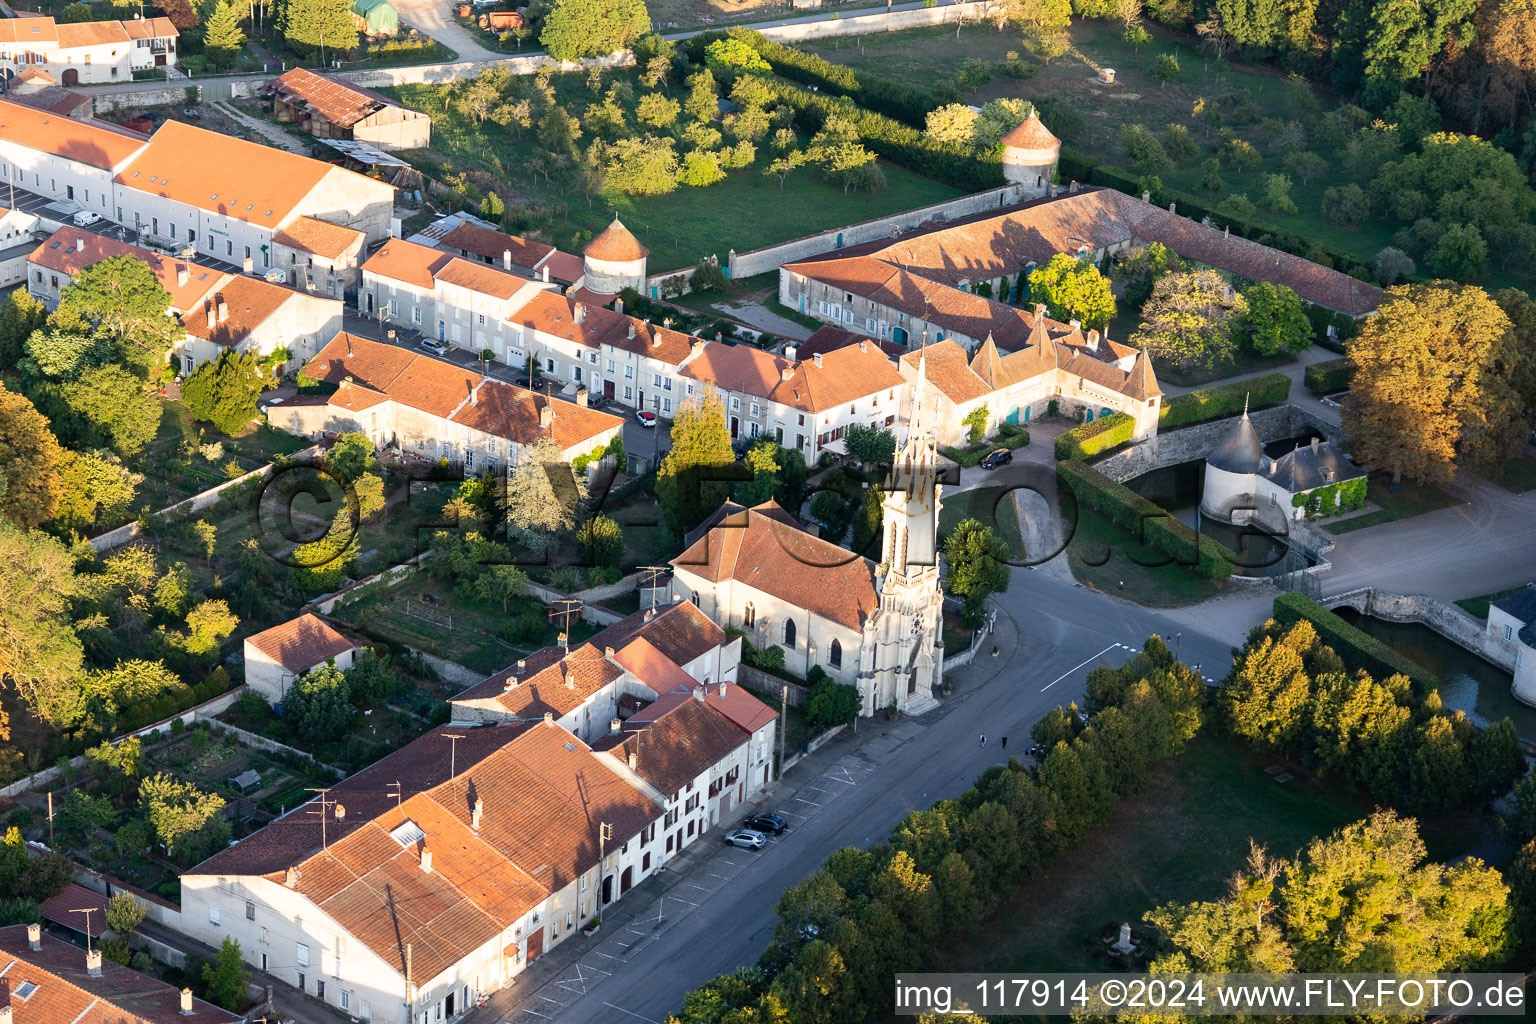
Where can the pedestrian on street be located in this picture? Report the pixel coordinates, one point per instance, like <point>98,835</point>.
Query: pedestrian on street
<point>1005,742</point>
<point>983,739</point>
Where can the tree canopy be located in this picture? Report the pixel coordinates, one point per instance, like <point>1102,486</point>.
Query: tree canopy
<point>224,391</point>
<point>1073,289</point>
<point>1276,320</point>
<point>29,462</point>
<point>543,497</point>
<point>574,29</point>
<point>1189,319</point>
<point>978,566</point>
<point>39,651</point>
<point>313,24</point>
<point>122,298</point>
<point>694,477</point>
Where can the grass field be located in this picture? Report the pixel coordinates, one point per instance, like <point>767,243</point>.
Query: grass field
<point>990,506</point>
<point>1138,98</point>
<point>1477,607</point>
<point>1412,500</point>
<point>745,211</point>
<point>1102,555</point>
<point>1519,475</point>
<point>1178,841</point>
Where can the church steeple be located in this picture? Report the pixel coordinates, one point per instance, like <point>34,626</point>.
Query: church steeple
<point>909,547</point>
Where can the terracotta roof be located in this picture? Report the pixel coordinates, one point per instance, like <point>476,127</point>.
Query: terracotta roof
<point>1030,134</point>
<point>87,142</point>
<point>310,234</point>
<point>678,630</point>
<point>442,389</point>
<point>28,30</point>
<point>408,262</point>
<point>52,99</point>
<point>224,175</point>
<point>552,681</point>
<point>300,644</point>
<point>66,993</point>
<point>493,245</point>
<point>70,250</point>
<point>478,277</point>
<point>151,28</point>
<point>845,374</point>
<point>739,706</point>
<point>675,740</point>
<point>338,102</point>
<point>564,267</point>
<point>35,74</point>
<point>760,550</point>
<point>828,339</point>
<point>67,909</point>
<point>642,660</point>
<point>249,302</point>
<point>555,315</point>
<point>615,244</point>
<point>91,33</point>
<point>948,368</point>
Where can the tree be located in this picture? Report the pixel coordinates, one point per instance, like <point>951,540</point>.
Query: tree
<point>999,117</point>
<point>224,391</point>
<point>708,277</point>
<point>785,163</point>
<point>29,462</point>
<point>657,110</point>
<point>225,977</point>
<point>1073,289</point>
<point>1166,69</point>
<point>694,476</point>
<point>21,315</point>
<point>319,704</point>
<point>313,24</point>
<point>93,486</point>
<point>978,566</point>
<point>733,54</point>
<point>1276,321</point>
<point>207,537</point>
<point>351,456</point>
<point>124,913</point>
<point>1138,274</point>
<point>208,624</point>
<point>1306,166</point>
<point>125,758</point>
<point>542,497</point>
<point>644,166</point>
<point>39,651</point>
<point>1241,155</point>
<point>953,124</point>
<point>1392,266</point>
<point>867,522</point>
<point>188,822</point>
<point>1136,37</point>
<point>833,511</point>
<point>574,29</point>
<point>832,703</point>
<point>870,444</point>
<point>703,100</point>
<point>1146,151</point>
<point>103,407</point>
<point>700,168</point>
<point>601,540</point>
<point>224,38</point>
<point>975,423</point>
<point>366,498</point>
<point>1045,16</point>
<point>502,583</point>
<point>1277,194</point>
<point>1346,204</point>
<point>1210,176</point>
<point>122,298</point>
<point>1460,254</point>
<point>1433,388</point>
<point>1188,320</point>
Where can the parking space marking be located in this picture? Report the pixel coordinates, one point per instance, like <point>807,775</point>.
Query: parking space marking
<point>605,956</point>
<point>803,800</point>
<point>632,1013</point>
<point>701,888</point>
<point>678,899</point>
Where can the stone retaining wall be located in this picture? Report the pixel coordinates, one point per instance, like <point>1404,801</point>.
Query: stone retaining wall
<point>1171,447</point>
<point>770,683</point>
<point>1446,619</point>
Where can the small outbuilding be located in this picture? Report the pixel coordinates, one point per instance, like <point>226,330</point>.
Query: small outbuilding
<point>275,657</point>
<point>1030,153</point>
<point>329,108</point>
<point>1242,483</point>
<point>376,17</point>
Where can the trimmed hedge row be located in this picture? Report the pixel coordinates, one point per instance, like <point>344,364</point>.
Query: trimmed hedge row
<point>1328,378</point>
<point>1224,400</point>
<point>1086,440</point>
<point>1357,648</point>
<point>1008,436</point>
<point>1146,521</point>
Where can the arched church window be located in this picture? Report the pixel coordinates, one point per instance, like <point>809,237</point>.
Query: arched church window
<point>789,633</point>
<point>749,616</point>
<point>835,654</point>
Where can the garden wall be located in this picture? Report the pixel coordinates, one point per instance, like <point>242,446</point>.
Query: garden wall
<point>767,682</point>
<point>865,24</point>
<point>760,261</point>
<point>526,64</point>
<point>103,104</point>
<point>1168,448</point>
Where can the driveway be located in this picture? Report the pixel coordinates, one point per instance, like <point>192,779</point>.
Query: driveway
<point>435,18</point>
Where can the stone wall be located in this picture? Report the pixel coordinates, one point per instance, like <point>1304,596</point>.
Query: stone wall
<point>104,104</point>
<point>1169,448</point>
<point>436,74</point>
<point>760,261</point>
<point>766,682</point>
<point>866,24</point>
<point>1446,619</point>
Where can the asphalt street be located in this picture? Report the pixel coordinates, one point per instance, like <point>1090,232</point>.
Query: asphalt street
<point>718,911</point>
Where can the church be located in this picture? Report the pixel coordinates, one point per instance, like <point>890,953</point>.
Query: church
<point>874,625</point>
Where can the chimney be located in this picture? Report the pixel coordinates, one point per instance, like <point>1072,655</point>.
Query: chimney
<point>1093,341</point>
<point>79,243</point>
<point>223,310</point>
<point>788,372</point>
<point>582,397</point>
<point>546,416</point>
<point>213,317</point>
<point>698,693</point>
<point>475,815</point>
<point>549,718</point>
<point>1226,232</point>
<point>666,322</point>
<point>1040,311</point>
<point>608,653</point>
<point>723,689</point>
<point>1072,188</point>
<point>614,725</point>
<point>522,665</point>
<point>630,332</point>
<point>789,352</point>
<point>1146,197</point>
<point>5,1012</point>
<point>650,613</point>
<point>34,937</point>
<point>1314,445</point>
<point>349,343</point>
<point>291,878</point>
<point>1173,207</point>
<point>248,265</point>
<point>698,347</point>
<point>506,259</point>
<point>182,275</point>
<point>426,859</point>
<point>633,760</point>
<point>618,306</point>
<point>580,312</point>
<point>186,1002</point>
<point>817,360</point>
<point>570,680</point>
<point>546,275</point>
<point>93,963</point>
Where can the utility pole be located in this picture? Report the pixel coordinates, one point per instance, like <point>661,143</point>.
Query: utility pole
<point>324,805</point>
<point>50,819</point>
<point>1178,643</point>
<point>88,911</point>
<point>453,753</point>
<point>409,996</point>
<point>604,833</point>
<point>569,606</point>
<point>783,717</point>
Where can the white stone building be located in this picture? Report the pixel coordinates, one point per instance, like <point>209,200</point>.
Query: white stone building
<point>17,240</point>
<point>1512,627</point>
<point>614,260</point>
<point>247,314</point>
<point>54,264</point>
<point>1030,153</point>
<point>1241,482</point>
<point>275,657</point>
<point>88,52</point>
<point>59,157</point>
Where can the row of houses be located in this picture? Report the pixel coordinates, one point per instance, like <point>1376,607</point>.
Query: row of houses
<point>436,875</point>
<point>87,52</point>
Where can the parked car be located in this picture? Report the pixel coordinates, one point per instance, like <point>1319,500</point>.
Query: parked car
<point>746,839</point>
<point>85,218</point>
<point>773,824</point>
<point>999,457</point>
<point>432,345</point>
<point>525,382</point>
<point>646,417</point>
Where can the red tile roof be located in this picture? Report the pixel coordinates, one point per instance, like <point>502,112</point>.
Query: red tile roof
<point>615,244</point>
<point>310,234</point>
<point>845,374</point>
<point>678,630</point>
<point>91,33</point>
<point>1030,134</point>
<point>739,706</point>
<point>564,267</point>
<point>28,30</point>
<point>409,262</point>
<point>338,102</point>
<point>87,142</point>
<point>675,740</point>
<point>300,644</point>
<point>551,681</point>
<point>829,338</point>
<point>69,906</point>
<point>248,301</point>
<point>70,250</point>
<point>556,315</point>
<point>478,277</point>
<point>494,245</point>
<point>151,28</point>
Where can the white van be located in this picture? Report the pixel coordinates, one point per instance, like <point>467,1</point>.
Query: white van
<point>85,218</point>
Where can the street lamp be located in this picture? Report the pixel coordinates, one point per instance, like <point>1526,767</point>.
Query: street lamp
<point>1178,643</point>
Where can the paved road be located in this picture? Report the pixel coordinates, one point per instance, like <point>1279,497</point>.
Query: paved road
<point>718,911</point>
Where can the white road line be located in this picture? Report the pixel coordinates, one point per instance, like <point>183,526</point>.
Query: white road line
<point>536,1013</point>
<point>549,1000</point>
<point>1079,665</point>
<point>599,970</point>
<point>632,1013</point>
<point>605,956</point>
<point>701,888</point>
<point>801,799</point>
<point>723,878</point>
<point>680,900</point>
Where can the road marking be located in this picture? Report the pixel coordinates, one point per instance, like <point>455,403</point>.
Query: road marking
<point>605,956</point>
<point>800,799</point>
<point>723,878</point>
<point>632,1013</point>
<point>1079,665</point>
<point>701,888</point>
<point>680,900</point>
<point>549,1000</point>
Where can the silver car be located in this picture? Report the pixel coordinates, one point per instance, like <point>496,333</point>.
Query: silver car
<point>746,839</point>
<point>432,345</point>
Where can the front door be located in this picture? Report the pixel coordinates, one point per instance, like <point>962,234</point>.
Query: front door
<point>71,76</point>
<point>735,427</point>
<point>607,890</point>
<point>607,389</point>
<point>626,880</point>
<point>442,333</point>
<point>535,944</point>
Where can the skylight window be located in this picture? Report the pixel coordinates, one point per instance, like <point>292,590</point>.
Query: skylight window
<point>25,989</point>
<point>407,833</point>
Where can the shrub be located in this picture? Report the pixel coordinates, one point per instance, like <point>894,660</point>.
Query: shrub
<point>1089,439</point>
<point>1146,521</point>
<point>1328,377</point>
<point>1357,648</point>
<point>1224,400</point>
<point>976,423</point>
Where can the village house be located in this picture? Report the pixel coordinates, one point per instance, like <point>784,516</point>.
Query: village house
<point>17,240</point>
<point>250,315</point>
<point>435,875</point>
<point>59,157</point>
<point>35,87</point>
<point>435,410</point>
<point>53,266</point>
<point>275,657</point>
<point>329,108</point>
<point>47,980</point>
<point>88,52</point>
<point>1242,482</point>
<point>317,256</point>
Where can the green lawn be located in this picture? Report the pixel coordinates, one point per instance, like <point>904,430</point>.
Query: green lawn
<point>1412,500</point>
<point>1519,475</point>
<point>990,506</point>
<point>1180,840</point>
<point>745,211</point>
<point>1102,555</point>
<point>1478,606</point>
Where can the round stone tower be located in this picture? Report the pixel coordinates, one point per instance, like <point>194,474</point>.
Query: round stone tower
<point>1230,470</point>
<point>1030,153</point>
<point>615,260</point>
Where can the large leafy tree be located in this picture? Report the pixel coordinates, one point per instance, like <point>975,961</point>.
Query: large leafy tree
<point>694,476</point>
<point>103,407</point>
<point>39,651</point>
<point>313,24</point>
<point>1144,269</point>
<point>225,977</point>
<point>1435,384</point>
<point>1073,289</point>
<point>645,166</point>
<point>589,28</point>
<point>543,497</point>
<point>1276,321</point>
<point>94,487</point>
<point>29,462</point>
<point>320,704</point>
<point>121,298</point>
<point>186,820</point>
<point>19,317</point>
<point>978,566</point>
<point>1188,321</point>
<point>224,391</point>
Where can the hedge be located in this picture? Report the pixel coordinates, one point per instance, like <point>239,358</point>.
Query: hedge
<point>1146,521</point>
<point>1328,378</point>
<point>1086,440</point>
<point>1224,400</point>
<point>1357,648</point>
